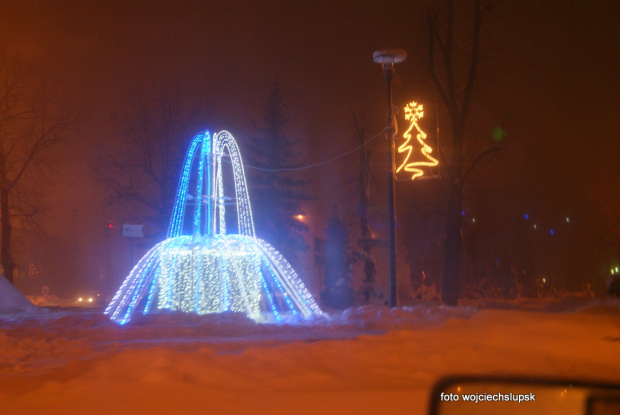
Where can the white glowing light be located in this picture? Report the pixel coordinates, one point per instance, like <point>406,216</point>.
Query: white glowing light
<point>413,113</point>
<point>203,270</point>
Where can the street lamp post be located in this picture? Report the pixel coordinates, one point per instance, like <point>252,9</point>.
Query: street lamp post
<point>387,58</point>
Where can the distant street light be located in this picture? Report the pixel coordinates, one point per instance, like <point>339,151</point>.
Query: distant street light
<point>387,58</point>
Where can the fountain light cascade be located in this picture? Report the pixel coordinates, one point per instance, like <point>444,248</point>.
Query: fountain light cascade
<point>204,269</point>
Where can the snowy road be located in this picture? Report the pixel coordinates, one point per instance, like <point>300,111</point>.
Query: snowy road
<point>365,360</point>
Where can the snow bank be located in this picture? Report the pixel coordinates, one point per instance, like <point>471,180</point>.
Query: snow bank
<point>13,304</point>
<point>50,300</point>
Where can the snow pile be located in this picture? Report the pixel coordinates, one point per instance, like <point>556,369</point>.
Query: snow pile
<point>422,314</point>
<point>13,304</point>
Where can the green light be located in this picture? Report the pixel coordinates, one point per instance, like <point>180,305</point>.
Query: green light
<point>498,134</point>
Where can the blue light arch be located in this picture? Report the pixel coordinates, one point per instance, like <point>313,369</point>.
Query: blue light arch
<point>200,268</point>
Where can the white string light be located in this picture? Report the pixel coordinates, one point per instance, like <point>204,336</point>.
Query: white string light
<point>211,271</point>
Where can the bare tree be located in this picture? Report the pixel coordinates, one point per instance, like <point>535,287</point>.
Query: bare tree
<point>453,62</point>
<point>140,170</point>
<point>31,129</point>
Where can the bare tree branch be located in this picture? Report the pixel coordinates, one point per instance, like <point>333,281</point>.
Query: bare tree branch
<point>473,65</point>
<point>140,174</point>
<point>478,158</point>
<point>447,55</point>
<point>432,28</point>
<point>30,128</point>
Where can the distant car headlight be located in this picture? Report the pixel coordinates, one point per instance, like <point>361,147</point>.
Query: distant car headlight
<point>90,300</point>
<point>80,299</point>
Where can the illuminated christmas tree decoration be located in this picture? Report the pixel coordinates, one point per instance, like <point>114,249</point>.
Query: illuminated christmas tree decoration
<point>200,268</point>
<point>413,113</point>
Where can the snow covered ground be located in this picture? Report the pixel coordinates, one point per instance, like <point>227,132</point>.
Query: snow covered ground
<point>365,360</point>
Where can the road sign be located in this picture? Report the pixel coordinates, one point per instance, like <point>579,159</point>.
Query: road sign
<point>132,231</point>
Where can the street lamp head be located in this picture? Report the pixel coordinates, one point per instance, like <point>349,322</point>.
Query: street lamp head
<point>389,56</point>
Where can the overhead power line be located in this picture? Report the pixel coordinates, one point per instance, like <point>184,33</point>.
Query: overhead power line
<point>322,163</point>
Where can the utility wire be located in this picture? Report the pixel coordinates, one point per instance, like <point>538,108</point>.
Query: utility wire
<point>309,166</point>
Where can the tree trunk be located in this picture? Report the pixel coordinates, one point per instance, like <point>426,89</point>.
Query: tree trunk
<point>449,293</point>
<point>450,287</point>
<point>364,167</point>
<point>457,100</point>
<point>5,257</point>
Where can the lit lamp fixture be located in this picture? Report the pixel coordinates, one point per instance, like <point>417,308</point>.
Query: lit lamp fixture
<point>387,58</point>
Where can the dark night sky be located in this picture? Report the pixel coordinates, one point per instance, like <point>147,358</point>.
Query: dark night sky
<point>550,69</point>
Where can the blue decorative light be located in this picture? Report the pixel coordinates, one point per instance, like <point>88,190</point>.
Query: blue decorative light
<point>204,270</point>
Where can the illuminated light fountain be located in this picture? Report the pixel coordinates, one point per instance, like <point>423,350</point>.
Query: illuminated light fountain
<point>205,270</point>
